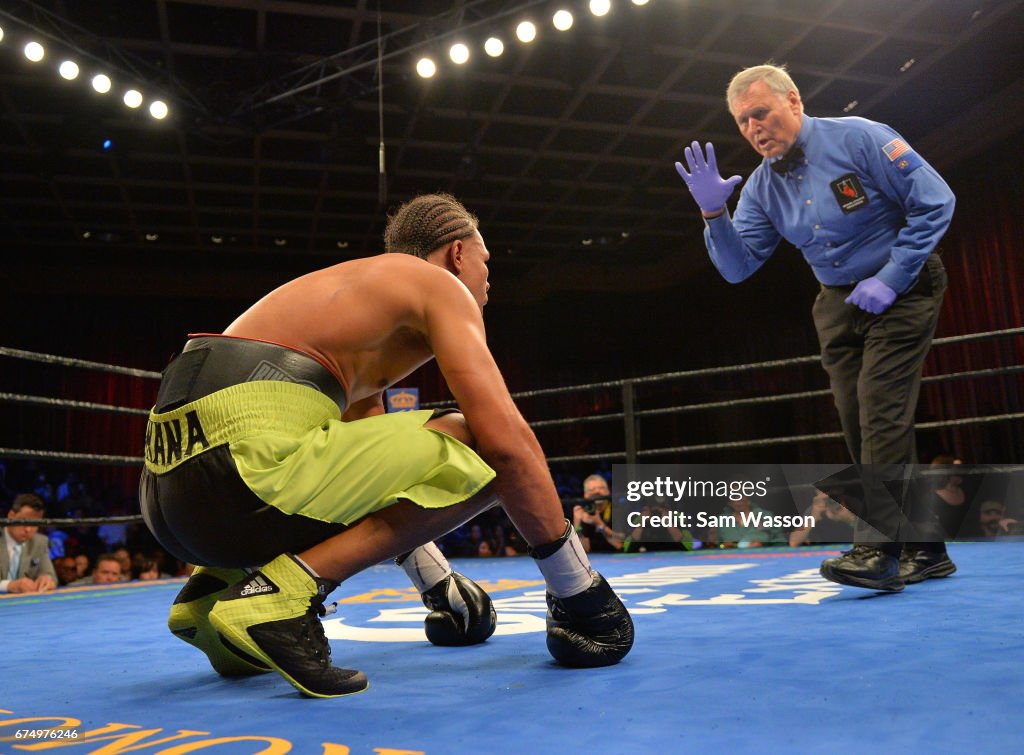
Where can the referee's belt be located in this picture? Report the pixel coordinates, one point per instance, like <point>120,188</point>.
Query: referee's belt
<point>922,284</point>
<point>210,363</point>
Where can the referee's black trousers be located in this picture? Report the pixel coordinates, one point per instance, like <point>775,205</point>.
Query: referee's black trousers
<point>874,364</point>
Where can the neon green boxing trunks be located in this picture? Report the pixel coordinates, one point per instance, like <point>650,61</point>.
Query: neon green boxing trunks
<point>247,472</point>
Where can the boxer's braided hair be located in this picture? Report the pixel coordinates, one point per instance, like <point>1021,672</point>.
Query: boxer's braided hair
<point>427,222</point>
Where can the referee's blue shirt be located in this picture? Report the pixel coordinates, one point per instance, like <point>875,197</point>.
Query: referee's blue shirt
<point>861,203</point>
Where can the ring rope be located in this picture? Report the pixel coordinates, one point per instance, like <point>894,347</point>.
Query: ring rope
<point>753,400</point>
<point>69,404</point>
<point>752,443</point>
<point>70,522</point>
<point>987,372</point>
<point>25,453</point>
<point>709,371</point>
<point>702,372</point>
<point>758,442</point>
<point>588,457</point>
<point>29,453</point>
<point>576,420</point>
<point>34,356</point>
<point>749,401</point>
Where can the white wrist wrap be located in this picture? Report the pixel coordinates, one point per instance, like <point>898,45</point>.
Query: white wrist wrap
<point>426,566</point>
<point>567,571</point>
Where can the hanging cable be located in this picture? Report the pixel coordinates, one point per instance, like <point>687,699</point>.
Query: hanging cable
<point>382,178</point>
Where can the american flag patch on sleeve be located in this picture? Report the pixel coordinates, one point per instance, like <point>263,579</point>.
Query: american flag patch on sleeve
<point>895,148</point>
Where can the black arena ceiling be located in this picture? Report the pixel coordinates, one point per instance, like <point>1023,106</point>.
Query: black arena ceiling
<point>269,161</point>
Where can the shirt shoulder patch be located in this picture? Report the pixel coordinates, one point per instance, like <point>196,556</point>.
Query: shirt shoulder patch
<point>901,156</point>
<point>895,149</point>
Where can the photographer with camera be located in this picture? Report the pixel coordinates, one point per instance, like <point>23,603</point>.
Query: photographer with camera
<point>592,520</point>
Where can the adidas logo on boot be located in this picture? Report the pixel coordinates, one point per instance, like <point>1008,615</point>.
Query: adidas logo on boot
<point>275,616</point>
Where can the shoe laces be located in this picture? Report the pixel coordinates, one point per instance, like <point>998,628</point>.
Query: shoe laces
<point>313,629</point>
<point>861,551</point>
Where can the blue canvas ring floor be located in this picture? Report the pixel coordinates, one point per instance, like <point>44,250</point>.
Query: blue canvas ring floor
<point>736,651</point>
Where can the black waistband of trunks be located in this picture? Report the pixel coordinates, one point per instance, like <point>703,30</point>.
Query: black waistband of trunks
<point>208,364</point>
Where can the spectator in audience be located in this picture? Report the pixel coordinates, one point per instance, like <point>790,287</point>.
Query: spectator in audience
<point>593,521</point>
<point>66,570</point>
<point>125,559</point>
<point>164,563</point>
<point>470,547</point>
<point>83,564</point>
<point>949,501</point>
<point>833,523</point>
<point>107,571</point>
<point>747,536</point>
<point>992,520</point>
<point>25,565</point>
<point>144,570</point>
<point>514,543</point>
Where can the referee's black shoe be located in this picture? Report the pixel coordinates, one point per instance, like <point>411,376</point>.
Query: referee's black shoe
<point>917,565</point>
<point>865,566</point>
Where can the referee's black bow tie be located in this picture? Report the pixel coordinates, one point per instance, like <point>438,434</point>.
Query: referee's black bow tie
<point>788,161</point>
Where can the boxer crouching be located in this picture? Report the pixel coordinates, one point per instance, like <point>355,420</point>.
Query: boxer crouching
<point>269,451</point>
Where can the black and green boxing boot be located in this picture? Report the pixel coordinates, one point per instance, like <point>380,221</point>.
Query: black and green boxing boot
<point>190,620</point>
<point>274,615</point>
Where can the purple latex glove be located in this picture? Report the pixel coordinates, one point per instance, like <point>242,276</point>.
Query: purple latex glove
<point>872,296</point>
<point>705,184</point>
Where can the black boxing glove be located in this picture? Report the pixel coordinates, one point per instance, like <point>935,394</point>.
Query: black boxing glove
<point>461,613</point>
<point>589,629</point>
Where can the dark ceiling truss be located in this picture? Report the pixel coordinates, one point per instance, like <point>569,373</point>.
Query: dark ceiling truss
<point>564,148</point>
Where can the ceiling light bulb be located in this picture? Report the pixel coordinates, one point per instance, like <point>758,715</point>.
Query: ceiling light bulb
<point>34,52</point>
<point>69,70</point>
<point>494,47</point>
<point>158,109</point>
<point>639,2</point>
<point>562,20</point>
<point>426,68</point>
<point>526,31</point>
<point>600,7</point>
<point>132,98</point>
<point>101,83</point>
<point>1,32</point>
<point>459,53</point>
